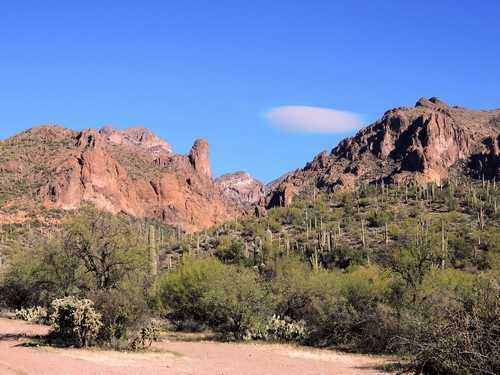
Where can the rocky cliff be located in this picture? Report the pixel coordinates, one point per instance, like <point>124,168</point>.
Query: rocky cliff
<point>138,137</point>
<point>429,142</point>
<point>241,188</point>
<point>130,171</point>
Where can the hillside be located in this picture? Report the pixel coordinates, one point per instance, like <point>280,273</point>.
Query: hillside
<point>131,172</point>
<point>407,268</point>
<point>428,143</point>
<point>242,189</point>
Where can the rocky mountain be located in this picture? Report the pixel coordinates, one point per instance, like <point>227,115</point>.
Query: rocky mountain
<point>131,171</point>
<point>138,137</point>
<point>135,173</point>
<point>429,142</point>
<point>241,188</point>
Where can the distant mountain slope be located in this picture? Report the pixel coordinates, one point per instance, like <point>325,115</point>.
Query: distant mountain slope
<point>429,142</point>
<point>130,171</point>
<point>241,188</point>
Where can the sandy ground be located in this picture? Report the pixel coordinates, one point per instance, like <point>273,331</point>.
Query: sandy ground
<point>173,357</point>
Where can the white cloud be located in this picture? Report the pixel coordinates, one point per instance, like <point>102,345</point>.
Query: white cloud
<point>304,119</point>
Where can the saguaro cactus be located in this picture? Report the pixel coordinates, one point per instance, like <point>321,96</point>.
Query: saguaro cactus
<point>257,250</point>
<point>152,251</point>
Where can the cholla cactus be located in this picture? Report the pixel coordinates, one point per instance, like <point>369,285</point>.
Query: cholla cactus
<point>75,320</point>
<point>280,329</point>
<point>35,314</point>
<point>146,337</point>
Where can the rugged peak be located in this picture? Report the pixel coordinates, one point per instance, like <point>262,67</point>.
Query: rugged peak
<point>53,133</point>
<point>108,130</point>
<point>436,100</point>
<point>89,138</point>
<point>432,103</point>
<point>423,102</point>
<point>137,136</point>
<point>66,169</point>
<point>430,142</point>
<point>241,188</point>
<point>200,157</point>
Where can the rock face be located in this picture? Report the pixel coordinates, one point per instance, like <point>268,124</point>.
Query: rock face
<point>429,142</point>
<point>241,188</point>
<point>130,171</point>
<point>138,137</point>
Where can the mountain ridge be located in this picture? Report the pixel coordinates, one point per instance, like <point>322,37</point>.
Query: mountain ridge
<point>133,173</point>
<point>421,143</point>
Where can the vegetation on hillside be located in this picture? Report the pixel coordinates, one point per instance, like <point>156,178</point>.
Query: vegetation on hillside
<point>26,163</point>
<point>411,270</point>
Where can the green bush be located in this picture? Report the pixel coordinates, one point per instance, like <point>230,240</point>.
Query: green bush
<point>181,291</point>
<point>286,215</point>
<point>456,331</point>
<point>229,250</point>
<point>329,317</point>
<point>290,287</point>
<point>123,313</point>
<point>204,291</point>
<point>377,218</point>
<point>75,321</point>
<point>235,302</point>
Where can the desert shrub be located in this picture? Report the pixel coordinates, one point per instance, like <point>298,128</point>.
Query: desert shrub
<point>364,287</point>
<point>341,257</point>
<point>181,291</point>
<point>17,289</point>
<point>228,299</point>
<point>75,321</point>
<point>287,215</point>
<point>461,252</point>
<point>123,313</point>
<point>229,250</point>
<point>451,203</point>
<point>451,328</point>
<point>329,317</point>
<point>378,329</point>
<point>348,308</point>
<point>23,283</point>
<point>379,218</point>
<point>290,287</point>
<point>235,302</point>
<point>273,225</point>
<point>492,256</point>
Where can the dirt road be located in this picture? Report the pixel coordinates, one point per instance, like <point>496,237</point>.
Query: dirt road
<point>173,357</point>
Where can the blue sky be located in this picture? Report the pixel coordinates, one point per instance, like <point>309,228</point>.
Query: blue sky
<point>217,69</point>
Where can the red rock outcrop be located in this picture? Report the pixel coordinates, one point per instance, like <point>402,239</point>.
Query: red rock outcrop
<point>424,143</point>
<point>130,171</point>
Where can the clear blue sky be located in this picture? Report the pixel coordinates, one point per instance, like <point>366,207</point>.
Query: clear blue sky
<point>212,69</point>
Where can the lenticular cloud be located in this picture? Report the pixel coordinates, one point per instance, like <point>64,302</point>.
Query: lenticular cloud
<point>304,119</point>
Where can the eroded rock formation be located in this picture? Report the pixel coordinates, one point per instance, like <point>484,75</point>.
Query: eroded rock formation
<point>424,143</point>
<point>130,171</point>
<point>241,188</point>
